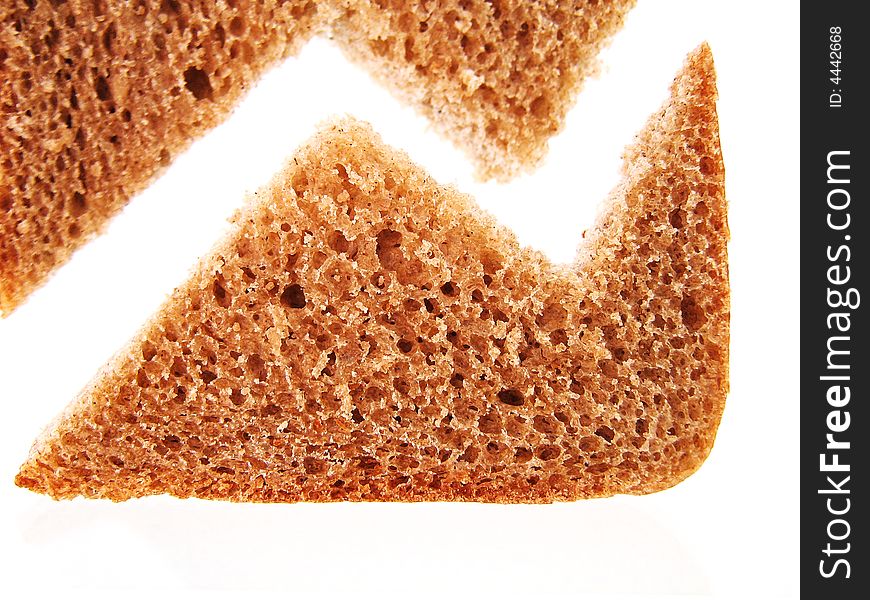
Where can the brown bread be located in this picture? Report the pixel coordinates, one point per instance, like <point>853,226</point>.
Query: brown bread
<point>97,97</point>
<point>367,334</point>
<point>495,76</point>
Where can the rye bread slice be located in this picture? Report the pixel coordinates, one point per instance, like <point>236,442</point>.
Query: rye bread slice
<point>365,333</point>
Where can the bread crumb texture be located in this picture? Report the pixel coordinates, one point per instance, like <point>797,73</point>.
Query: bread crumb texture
<point>97,97</point>
<point>367,334</point>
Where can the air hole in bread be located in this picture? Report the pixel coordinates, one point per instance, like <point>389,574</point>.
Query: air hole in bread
<point>605,433</point>
<point>197,81</point>
<point>293,296</point>
<point>511,397</point>
<point>78,204</point>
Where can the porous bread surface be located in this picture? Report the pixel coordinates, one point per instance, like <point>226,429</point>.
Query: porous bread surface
<point>97,97</point>
<point>495,76</point>
<point>367,334</point>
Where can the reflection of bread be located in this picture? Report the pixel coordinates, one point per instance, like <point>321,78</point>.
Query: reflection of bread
<point>96,98</point>
<point>367,334</point>
<point>495,77</point>
<point>103,96</point>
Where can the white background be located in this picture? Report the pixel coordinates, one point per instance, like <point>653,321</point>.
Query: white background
<point>730,530</point>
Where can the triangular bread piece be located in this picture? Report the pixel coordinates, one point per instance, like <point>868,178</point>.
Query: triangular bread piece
<point>97,98</point>
<point>367,334</point>
<point>495,77</point>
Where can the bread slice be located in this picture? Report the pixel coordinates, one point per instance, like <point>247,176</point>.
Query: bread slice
<point>367,334</point>
<point>496,77</point>
<point>97,97</point>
